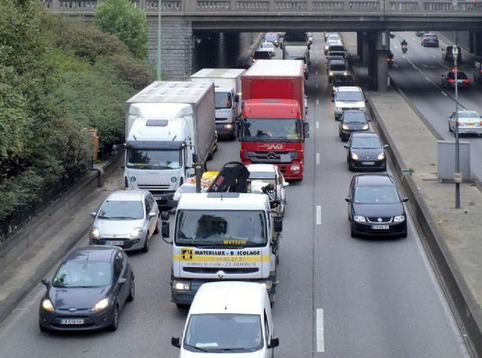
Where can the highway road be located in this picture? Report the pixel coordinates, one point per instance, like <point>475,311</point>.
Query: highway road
<point>418,74</point>
<point>337,297</point>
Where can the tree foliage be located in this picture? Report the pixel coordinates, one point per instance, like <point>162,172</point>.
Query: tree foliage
<point>120,18</point>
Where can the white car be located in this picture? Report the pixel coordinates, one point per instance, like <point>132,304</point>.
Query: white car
<point>348,97</point>
<point>229,319</point>
<point>268,46</point>
<point>260,175</point>
<point>469,122</point>
<point>126,218</point>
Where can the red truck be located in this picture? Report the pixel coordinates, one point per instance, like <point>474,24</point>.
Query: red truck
<point>273,127</point>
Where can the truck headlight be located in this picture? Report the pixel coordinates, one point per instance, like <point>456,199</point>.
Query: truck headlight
<point>295,168</point>
<point>47,305</point>
<point>134,234</point>
<point>359,219</point>
<point>95,233</point>
<point>399,218</point>
<point>101,305</point>
<point>228,126</point>
<point>181,285</point>
<point>268,284</point>
<point>354,156</point>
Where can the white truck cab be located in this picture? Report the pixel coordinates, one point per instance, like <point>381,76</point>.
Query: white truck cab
<point>229,318</point>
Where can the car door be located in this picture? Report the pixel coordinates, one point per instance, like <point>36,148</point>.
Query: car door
<point>351,194</point>
<point>121,270</point>
<point>151,221</point>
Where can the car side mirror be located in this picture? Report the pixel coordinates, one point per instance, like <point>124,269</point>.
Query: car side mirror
<point>273,342</point>
<point>93,214</point>
<point>385,146</point>
<point>46,282</point>
<point>346,146</point>
<point>122,280</point>
<point>175,342</point>
<point>404,199</point>
<point>152,214</point>
<point>348,199</point>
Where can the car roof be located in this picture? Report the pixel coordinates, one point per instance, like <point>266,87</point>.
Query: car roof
<point>255,168</point>
<point>349,89</point>
<point>229,297</point>
<point>93,253</point>
<point>126,195</point>
<point>365,134</point>
<point>373,179</point>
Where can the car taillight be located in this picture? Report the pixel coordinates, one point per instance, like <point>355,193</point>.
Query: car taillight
<point>467,81</point>
<point>451,80</point>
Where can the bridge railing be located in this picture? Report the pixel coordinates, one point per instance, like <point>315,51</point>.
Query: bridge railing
<point>292,7</point>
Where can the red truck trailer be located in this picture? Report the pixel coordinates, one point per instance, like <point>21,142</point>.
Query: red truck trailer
<point>273,127</point>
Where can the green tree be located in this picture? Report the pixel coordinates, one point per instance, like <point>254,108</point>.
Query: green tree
<point>120,18</point>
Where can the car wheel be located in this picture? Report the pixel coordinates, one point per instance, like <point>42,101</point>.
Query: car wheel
<point>450,128</point>
<point>115,319</point>
<point>350,168</point>
<point>352,231</point>
<point>42,328</point>
<point>182,306</point>
<point>146,245</point>
<point>132,290</point>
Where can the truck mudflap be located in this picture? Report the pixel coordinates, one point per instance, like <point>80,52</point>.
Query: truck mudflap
<point>185,297</point>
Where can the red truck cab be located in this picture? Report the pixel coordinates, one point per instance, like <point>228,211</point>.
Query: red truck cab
<point>273,127</point>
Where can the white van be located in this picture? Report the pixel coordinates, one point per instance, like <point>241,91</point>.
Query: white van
<point>348,97</point>
<point>231,318</point>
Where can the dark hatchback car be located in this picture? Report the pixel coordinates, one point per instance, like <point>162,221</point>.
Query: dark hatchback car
<point>375,207</point>
<point>88,290</point>
<point>448,80</point>
<point>365,151</point>
<point>352,121</point>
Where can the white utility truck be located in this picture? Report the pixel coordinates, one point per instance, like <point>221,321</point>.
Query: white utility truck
<point>227,88</point>
<point>169,127</point>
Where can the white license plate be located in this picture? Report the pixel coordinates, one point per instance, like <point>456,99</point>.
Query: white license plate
<point>368,163</point>
<point>115,243</point>
<point>72,321</point>
<point>380,227</point>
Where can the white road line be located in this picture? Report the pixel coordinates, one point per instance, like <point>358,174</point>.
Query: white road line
<point>317,158</point>
<point>445,94</point>
<point>317,125</point>
<point>320,331</point>
<point>318,215</point>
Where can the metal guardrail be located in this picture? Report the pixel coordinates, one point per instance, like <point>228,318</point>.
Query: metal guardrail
<point>292,8</point>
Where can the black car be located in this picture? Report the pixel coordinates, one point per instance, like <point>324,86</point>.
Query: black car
<point>448,80</point>
<point>365,151</point>
<point>88,290</point>
<point>375,207</point>
<point>352,121</point>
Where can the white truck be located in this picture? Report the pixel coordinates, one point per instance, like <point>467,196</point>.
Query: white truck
<point>169,128</point>
<point>222,236</point>
<point>227,88</point>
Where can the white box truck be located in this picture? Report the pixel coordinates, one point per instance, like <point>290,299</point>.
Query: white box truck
<point>227,88</point>
<point>169,128</point>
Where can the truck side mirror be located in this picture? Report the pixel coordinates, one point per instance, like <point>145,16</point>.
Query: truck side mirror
<point>194,157</point>
<point>175,342</point>
<point>236,98</point>
<point>307,130</point>
<point>278,224</point>
<point>273,342</point>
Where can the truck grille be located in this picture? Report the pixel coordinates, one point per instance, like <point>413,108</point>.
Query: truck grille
<point>214,270</point>
<point>272,157</point>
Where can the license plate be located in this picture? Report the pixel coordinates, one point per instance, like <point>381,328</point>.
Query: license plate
<point>368,163</point>
<point>115,243</point>
<point>72,321</point>
<point>380,227</point>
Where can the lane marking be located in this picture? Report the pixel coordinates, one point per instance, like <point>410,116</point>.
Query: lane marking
<point>320,331</point>
<point>318,215</point>
<point>317,102</point>
<point>317,125</point>
<point>317,158</point>
<point>445,94</point>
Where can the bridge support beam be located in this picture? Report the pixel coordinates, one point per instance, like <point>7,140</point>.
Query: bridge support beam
<point>476,43</point>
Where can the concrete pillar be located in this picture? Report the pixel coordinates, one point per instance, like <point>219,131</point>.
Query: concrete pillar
<point>477,43</point>
<point>365,55</point>
<point>359,45</point>
<point>371,60</point>
<point>383,46</point>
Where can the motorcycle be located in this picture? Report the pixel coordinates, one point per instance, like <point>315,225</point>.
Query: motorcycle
<point>390,60</point>
<point>404,48</point>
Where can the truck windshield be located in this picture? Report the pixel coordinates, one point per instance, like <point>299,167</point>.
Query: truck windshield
<point>271,130</point>
<point>153,159</point>
<point>221,228</point>
<point>222,100</point>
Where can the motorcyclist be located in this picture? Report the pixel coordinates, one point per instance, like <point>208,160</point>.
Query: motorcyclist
<point>404,43</point>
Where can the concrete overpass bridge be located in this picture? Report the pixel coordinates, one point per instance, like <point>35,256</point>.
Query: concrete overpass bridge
<point>186,22</point>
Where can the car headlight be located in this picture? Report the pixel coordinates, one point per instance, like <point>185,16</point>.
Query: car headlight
<point>365,127</point>
<point>399,218</point>
<point>47,305</point>
<point>181,285</point>
<point>345,127</point>
<point>345,73</point>
<point>95,233</point>
<point>354,156</point>
<point>101,305</point>
<point>359,219</point>
<point>381,156</point>
<point>135,233</point>
<point>331,73</point>
<point>228,126</point>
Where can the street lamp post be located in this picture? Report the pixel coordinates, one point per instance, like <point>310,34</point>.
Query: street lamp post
<point>457,174</point>
<point>159,5</point>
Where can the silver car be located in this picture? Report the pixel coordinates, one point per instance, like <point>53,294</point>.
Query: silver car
<point>126,218</point>
<point>469,122</point>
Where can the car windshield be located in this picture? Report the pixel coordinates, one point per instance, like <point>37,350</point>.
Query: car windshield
<point>460,75</point>
<point>376,195</point>
<point>153,159</point>
<point>354,96</point>
<point>207,228</point>
<point>222,100</point>
<point>269,130</point>
<point>337,67</point>
<point>354,117</point>
<point>83,274</point>
<point>121,210</point>
<point>474,115</point>
<point>223,333</point>
<point>368,142</point>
